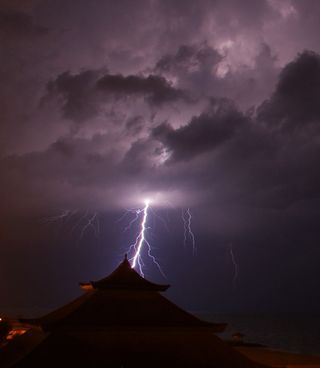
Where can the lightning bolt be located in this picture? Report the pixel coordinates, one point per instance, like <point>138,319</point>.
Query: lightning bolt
<point>135,219</point>
<point>64,215</point>
<point>235,265</point>
<point>93,223</point>
<point>141,240</point>
<point>188,233</point>
<point>87,220</point>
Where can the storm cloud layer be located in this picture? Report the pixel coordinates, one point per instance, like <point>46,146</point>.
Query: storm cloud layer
<point>212,105</point>
<point>117,123</point>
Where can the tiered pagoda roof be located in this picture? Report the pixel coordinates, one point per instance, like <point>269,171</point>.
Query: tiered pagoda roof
<point>123,320</point>
<point>122,299</point>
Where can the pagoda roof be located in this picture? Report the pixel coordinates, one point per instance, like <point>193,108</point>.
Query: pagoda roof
<point>123,299</point>
<point>123,320</point>
<point>124,277</point>
<point>102,310</point>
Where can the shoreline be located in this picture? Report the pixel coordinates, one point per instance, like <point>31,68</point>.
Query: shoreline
<point>279,358</point>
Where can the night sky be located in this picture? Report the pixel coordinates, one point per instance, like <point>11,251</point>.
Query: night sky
<point>212,105</point>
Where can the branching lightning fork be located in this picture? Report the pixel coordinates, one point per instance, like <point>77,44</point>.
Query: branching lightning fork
<point>92,222</point>
<point>86,221</point>
<point>141,240</point>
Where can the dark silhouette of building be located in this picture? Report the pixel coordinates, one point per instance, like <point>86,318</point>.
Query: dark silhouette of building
<point>124,321</point>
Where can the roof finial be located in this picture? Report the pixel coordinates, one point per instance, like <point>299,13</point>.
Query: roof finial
<point>126,257</point>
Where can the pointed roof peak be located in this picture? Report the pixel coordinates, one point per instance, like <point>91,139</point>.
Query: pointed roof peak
<point>124,277</point>
<point>125,261</point>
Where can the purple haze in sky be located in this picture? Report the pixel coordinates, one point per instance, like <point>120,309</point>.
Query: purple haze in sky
<point>210,105</point>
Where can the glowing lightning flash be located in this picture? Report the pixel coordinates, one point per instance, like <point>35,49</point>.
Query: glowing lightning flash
<point>188,233</point>
<point>141,237</point>
<point>141,240</point>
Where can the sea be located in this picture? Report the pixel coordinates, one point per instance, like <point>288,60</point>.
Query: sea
<point>292,333</point>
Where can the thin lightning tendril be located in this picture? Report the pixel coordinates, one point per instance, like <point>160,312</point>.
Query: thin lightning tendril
<point>188,233</point>
<point>85,221</point>
<point>92,222</point>
<point>184,228</point>
<point>235,265</point>
<point>64,215</point>
<point>135,219</point>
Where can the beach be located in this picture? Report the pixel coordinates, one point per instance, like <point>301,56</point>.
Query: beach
<point>275,358</point>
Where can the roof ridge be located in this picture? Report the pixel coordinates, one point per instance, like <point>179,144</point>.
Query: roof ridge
<point>124,277</point>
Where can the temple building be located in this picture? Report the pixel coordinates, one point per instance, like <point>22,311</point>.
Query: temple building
<point>123,320</point>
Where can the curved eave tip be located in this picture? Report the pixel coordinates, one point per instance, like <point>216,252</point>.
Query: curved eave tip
<point>87,286</point>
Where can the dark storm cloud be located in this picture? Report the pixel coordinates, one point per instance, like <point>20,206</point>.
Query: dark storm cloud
<point>156,89</point>
<point>69,167</point>
<point>295,101</point>
<point>206,71</point>
<point>193,67</point>
<point>14,23</point>
<point>257,165</point>
<point>24,49</point>
<point>241,156</point>
<point>140,157</point>
<point>78,94</point>
<point>203,133</point>
<point>82,95</point>
<point>190,58</point>
<point>282,144</point>
<point>135,124</point>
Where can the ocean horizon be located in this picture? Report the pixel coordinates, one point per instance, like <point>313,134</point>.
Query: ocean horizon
<point>295,333</point>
